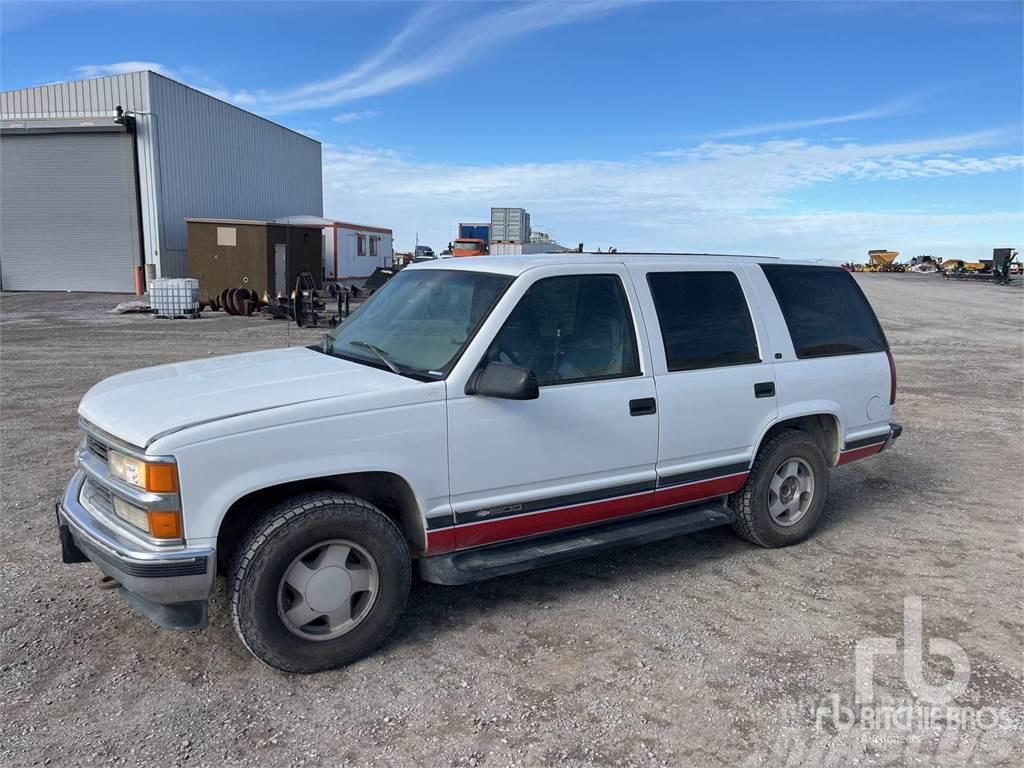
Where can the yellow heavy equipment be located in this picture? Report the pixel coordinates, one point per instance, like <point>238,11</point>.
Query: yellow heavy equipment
<point>882,260</point>
<point>969,266</point>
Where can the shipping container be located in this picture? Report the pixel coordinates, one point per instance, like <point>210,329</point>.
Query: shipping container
<point>510,225</point>
<point>479,231</point>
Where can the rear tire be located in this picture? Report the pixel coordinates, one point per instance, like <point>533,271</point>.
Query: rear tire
<point>319,582</point>
<point>782,500</point>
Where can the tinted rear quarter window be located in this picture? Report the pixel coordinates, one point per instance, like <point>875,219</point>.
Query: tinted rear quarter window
<point>704,319</point>
<point>825,310</point>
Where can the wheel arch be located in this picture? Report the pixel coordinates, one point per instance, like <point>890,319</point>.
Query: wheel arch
<point>824,426</point>
<point>388,491</point>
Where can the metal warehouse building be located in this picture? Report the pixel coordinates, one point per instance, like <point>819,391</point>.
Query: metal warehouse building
<point>86,196</point>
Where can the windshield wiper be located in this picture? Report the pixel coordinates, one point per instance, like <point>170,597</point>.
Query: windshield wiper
<point>380,353</point>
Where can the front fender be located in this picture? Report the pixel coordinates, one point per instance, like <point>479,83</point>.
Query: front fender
<point>408,441</point>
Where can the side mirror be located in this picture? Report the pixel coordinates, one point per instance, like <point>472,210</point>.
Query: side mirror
<point>502,380</point>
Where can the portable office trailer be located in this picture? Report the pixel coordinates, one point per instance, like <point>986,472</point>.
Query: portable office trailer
<point>86,196</point>
<point>266,257</point>
<point>351,251</point>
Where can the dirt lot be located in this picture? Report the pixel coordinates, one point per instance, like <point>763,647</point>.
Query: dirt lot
<point>702,650</point>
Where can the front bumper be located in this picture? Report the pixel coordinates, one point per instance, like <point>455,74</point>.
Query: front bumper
<point>170,586</point>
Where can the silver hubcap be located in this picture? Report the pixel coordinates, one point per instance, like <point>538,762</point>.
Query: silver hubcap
<point>327,590</point>
<point>791,491</point>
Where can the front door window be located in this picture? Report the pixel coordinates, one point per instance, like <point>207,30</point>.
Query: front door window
<point>570,329</point>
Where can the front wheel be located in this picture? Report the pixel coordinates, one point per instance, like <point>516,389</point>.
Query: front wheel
<point>320,581</point>
<point>782,500</point>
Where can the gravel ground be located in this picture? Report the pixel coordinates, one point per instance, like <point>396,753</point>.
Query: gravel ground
<point>702,650</point>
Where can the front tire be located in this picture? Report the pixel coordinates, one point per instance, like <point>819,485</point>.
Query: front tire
<point>319,582</point>
<point>782,500</point>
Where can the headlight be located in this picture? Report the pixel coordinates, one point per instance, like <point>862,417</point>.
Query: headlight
<point>153,477</point>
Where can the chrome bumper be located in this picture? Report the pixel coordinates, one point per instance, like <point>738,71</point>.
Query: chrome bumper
<point>169,586</point>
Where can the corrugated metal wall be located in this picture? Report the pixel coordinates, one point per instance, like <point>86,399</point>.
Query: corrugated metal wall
<point>219,161</point>
<point>198,156</point>
<point>82,98</point>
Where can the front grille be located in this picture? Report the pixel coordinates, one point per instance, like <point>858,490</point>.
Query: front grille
<point>97,448</point>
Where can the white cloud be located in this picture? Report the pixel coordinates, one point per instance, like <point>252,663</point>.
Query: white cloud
<point>713,196</point>
<point>351,117</point>
<point>429,45</point>
<point>425,48</point>
<point>889,109</point>
<point>122,68</point>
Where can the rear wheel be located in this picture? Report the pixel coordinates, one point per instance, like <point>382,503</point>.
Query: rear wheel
<point>320,581</point>
<point>782,500</point>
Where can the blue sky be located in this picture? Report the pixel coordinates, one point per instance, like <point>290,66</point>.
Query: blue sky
<point>812,129</point>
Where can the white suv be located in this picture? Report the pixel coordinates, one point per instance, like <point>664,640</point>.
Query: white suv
<point>475,418</point>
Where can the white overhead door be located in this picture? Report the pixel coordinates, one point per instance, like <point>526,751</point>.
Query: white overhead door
<point>68,212</point>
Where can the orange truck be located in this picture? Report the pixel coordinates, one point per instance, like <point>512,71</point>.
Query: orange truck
<point>469,246</point>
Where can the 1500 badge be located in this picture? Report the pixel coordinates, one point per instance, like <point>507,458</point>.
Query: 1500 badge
<point>499,510</point>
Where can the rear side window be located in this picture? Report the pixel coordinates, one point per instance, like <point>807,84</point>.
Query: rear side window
<point>825,310</point>
<point>704,319</point>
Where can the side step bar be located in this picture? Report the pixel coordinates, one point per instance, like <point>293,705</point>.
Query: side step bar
<point>502,559</point>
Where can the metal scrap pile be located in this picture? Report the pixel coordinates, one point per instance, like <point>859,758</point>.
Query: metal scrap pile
<point>307,305</point>
<point>234,301</point>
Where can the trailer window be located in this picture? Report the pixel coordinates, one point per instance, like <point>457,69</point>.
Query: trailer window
<point>704,319</point>
<point>825,310</point>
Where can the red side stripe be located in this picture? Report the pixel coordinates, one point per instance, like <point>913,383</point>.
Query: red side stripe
<point>490,531</point>
<point>845,457</point>
<point>440,541</point>
<point>705,489</point>
<point>503,529</point>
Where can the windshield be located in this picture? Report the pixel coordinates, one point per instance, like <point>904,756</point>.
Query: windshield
<point>419,321</point>
<point>471,246</point>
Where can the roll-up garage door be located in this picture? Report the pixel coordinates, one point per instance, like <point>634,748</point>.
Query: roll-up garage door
<point>68,212</point>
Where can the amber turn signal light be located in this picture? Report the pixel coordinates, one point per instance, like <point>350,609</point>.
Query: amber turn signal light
<point>164,524</point>
<point>161,478</point>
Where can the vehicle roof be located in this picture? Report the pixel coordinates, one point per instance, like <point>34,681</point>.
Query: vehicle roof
<point>516,265</point>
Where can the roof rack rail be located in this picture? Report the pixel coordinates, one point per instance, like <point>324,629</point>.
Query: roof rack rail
<point>676,253</point>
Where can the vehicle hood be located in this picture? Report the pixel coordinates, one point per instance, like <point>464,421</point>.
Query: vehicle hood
<point>142,406</point>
